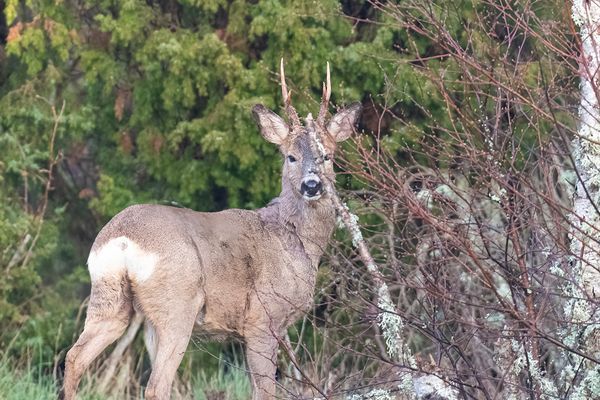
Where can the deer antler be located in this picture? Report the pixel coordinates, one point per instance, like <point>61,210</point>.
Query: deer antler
<point>325,99</point>
<point>287,101</point>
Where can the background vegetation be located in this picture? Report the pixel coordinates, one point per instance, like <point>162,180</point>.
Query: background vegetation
<point>109,103</point>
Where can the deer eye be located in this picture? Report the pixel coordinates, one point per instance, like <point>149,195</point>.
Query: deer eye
<point>291,159</point>
<point>326,157</point>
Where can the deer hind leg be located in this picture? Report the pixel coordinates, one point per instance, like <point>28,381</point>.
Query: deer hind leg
<point>109,311</point>
<point>261,356</point>
<point>150,341</point>
<point>167,339</point>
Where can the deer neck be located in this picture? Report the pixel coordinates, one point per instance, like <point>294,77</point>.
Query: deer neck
<point>311,222</point>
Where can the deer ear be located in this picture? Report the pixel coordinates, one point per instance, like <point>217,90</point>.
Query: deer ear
<point>341,125</point>
<point>272,126</point>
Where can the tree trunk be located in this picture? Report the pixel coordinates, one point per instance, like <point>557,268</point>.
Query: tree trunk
<point>585,241</point>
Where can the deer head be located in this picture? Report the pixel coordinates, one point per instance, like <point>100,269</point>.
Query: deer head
<point>300,168</point>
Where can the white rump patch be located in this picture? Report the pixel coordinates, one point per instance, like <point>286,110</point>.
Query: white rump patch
<point>120,255</point>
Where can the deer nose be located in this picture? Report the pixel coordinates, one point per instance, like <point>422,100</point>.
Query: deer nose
<point>310,187</point>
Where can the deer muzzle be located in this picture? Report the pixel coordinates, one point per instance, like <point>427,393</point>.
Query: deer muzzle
<point>311,188</point>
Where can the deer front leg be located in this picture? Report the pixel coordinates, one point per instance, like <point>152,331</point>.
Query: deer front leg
<point>261,356</point>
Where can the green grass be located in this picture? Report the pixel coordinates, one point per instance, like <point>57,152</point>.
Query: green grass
<point>26,382</point>
<point>233,385</point>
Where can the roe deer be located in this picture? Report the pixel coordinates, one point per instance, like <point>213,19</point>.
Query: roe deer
<point>242,273</point>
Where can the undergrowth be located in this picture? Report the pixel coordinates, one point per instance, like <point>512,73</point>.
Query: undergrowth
<point>26,381</point>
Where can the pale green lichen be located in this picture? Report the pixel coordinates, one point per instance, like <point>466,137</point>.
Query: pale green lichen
<point>589,387</point>
<point>526,362</point>
<point>357,236</point>
<point>583,277</point>
<point>372,267</point>
<point>425,198</point>
<point>353,227</point>
<point>429,386</point>
<point>375,394</point>
<point>390,322</point>
<point>586,150</point>
<point>406,385</point>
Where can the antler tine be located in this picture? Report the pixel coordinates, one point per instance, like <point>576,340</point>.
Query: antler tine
<point>287,99</point>
<point>284,91</point>
<point>325,99</point>
<point>328,91</point>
